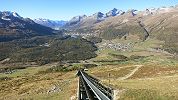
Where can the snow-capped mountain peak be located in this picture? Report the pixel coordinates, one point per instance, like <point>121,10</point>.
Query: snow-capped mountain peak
<point>98,15</point>
<point>134,12</point>
<point>8,15</point>
<point>16,14</point>
<point>113,12</point>
<point>50,23</point>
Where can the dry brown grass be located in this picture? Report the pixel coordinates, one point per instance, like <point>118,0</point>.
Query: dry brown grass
<point>115,71</point>
<point>37,87</point>
<point>148,71</point>
<point>150,81</point>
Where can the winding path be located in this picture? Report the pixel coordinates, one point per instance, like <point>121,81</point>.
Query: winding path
<point>130,74</point>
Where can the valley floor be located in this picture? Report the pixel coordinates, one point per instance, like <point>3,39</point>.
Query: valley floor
<point>139,73</point>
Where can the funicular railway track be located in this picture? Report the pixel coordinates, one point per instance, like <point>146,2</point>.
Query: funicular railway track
<point>91,89</point>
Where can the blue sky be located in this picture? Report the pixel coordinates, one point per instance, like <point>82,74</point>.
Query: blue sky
<point>66,9</point>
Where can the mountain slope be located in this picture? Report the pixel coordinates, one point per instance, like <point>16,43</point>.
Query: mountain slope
<point>33,42</point>
<point>157,23</point>
<point>88,21</point>
<point>13,26</point>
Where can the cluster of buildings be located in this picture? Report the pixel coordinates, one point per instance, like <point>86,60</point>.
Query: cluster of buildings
<point>117,46</point>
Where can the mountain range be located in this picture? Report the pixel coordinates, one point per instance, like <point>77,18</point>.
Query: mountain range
<point>88,21</point>
<point>23,40</point>
<point>82,21</point>
<point>155,23</point>
<point>13,26</point>
<point>133,53</point>
<point>50,23</point>
<point>79,20</point>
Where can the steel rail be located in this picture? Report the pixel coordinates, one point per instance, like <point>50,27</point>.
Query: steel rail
<point>100,95</point>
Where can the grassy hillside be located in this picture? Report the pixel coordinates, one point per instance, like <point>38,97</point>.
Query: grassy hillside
<point>31,83</point>
<point>141,72</point>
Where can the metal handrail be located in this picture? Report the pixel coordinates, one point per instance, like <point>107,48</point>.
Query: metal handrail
<point>100,95</point>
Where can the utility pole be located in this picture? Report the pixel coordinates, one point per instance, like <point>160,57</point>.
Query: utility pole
<point>109,78</point>
<point>109,82</point>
